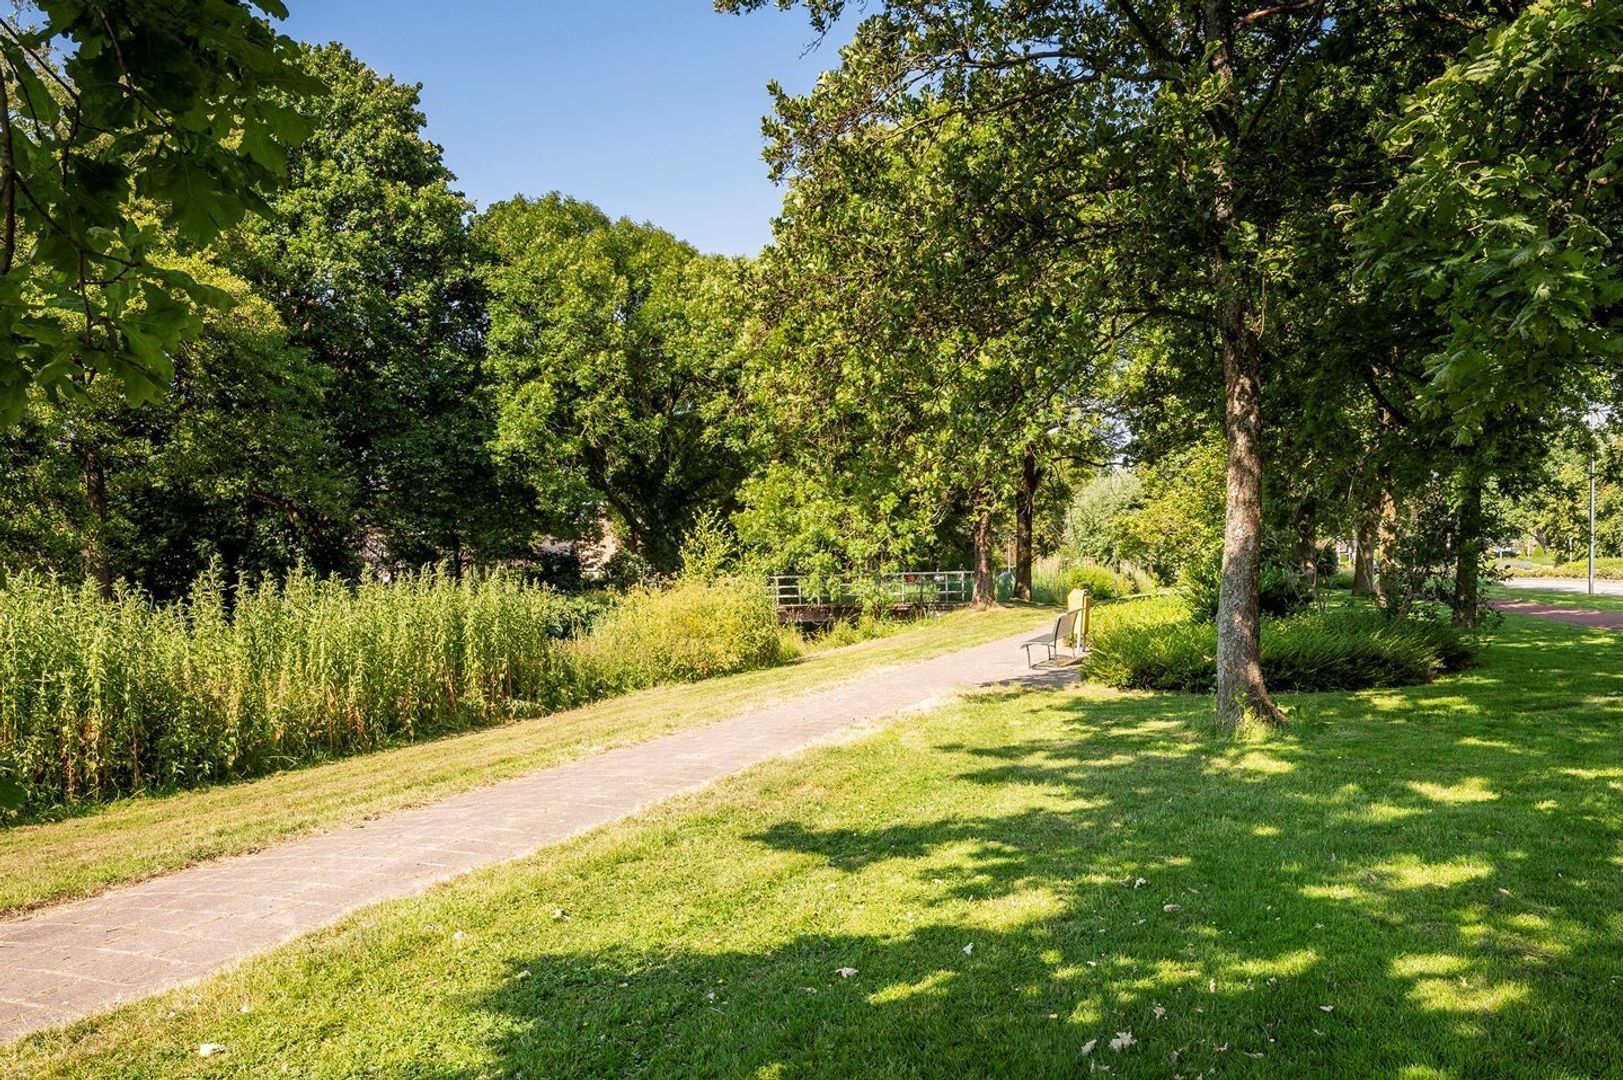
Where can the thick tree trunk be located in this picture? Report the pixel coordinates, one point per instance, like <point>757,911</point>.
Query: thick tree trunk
<point>93,552</point>
<point>1468,555</point>
<point>1240,687</point>
<point>1025,503</point>
<point>985,585</point>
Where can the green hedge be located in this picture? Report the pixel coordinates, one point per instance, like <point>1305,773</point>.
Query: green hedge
<point>1157,647</point>
<point>1609,568</point>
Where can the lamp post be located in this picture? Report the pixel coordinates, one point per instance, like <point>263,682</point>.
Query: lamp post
<point>1594,418</point>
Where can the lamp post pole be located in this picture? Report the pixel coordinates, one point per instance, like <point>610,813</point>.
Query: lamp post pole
<point>1591,517</point>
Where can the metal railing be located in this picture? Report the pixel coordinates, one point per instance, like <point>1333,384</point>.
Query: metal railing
<point>907,588</point>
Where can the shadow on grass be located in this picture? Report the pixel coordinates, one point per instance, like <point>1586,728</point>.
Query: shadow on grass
<point>1424,883</point>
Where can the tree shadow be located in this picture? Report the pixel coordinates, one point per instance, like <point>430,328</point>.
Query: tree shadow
<point>1429,897</point>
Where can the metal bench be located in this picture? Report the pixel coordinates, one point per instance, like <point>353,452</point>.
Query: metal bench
<point>1064,638</point>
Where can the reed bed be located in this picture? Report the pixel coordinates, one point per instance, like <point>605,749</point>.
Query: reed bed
<point>102,698</point>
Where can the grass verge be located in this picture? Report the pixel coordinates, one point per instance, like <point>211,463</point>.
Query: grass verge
<point>1416,882</point>
<point>1559,598</point>
<point>140,837</point>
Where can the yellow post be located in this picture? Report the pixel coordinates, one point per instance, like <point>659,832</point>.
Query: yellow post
<point>1078,600</point>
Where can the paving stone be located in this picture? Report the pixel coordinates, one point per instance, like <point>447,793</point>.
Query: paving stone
<point>66,962</point>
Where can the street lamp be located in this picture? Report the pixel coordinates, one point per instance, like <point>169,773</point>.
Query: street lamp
<point>1594,417</point>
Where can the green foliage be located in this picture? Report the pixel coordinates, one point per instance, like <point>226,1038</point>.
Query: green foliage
<point>1154,645</point>
<point>709,549</point>
<point>1506,220</point>
<point>1097,521</point>
<point>615,354</point>
<point>1179,523</point>
<point>1053,579</point>
<point>126,121</point>
<point>369,262</point>
<point>1610,568</point>
<point>234,464</point>
<point>1279,589</point>
<point>111,697</point>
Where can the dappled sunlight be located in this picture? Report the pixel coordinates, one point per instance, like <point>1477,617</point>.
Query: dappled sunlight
<point>1473,789</point>
<point>1050,869</point>
<point>935,984</point>
<point>1410,872</point>
<point>1252,762</point>
<point>1376,813</point>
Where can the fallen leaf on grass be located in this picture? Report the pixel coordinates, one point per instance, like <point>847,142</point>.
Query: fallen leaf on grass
<point>1160,1012</point>
<point>1327,1008</point>
<point>210,1049</point>
<point>1169,908</point>
<point>1087,1047</point>
<point>1122,1041</point>
<point>845,972</point>
<point>969,949</point>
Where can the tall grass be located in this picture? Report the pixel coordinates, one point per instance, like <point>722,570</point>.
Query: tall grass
<point>103,698</point>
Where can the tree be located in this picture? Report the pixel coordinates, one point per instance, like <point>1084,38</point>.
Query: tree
<point>1504,222</point>
<point>1096,521</point>
<point>1182,139</point>
<point>369,261</point>
<point>185,108</point>
<point>615,350</point>
<point>909,351</point>
<point>232,465</point>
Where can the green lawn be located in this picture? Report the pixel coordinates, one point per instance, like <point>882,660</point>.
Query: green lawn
<point>1598,602</point>
<point>1414,883</point>
<point>137,838</point>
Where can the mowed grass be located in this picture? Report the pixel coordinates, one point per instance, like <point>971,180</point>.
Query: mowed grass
<point>1414,883</point>
<point>1559,597</point>
<point>141,837</point>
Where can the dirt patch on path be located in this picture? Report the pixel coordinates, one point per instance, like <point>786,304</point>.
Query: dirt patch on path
<point>1600,620</point>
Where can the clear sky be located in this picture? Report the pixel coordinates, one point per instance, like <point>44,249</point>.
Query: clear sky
<point>649,108</point>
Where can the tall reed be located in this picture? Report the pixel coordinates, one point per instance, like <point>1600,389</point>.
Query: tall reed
<point>101,698</point>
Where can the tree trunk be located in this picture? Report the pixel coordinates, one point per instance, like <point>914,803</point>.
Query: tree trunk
<point>985,586</point>
<point>1307,544</point>
<point>1386,551</point>
<point>1240,688</point>
<point>1025,501</point>
<point>93,552</point>
<point>1364,548</point>
<point>1468,555</point>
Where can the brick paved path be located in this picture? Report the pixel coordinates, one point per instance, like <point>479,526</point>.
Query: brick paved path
<point>1600,620</point>
<point>69,961</point>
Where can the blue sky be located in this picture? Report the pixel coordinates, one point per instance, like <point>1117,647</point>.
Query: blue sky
<point>650,108</point>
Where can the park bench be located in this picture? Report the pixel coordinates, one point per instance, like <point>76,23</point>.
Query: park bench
<point>1063,638</point>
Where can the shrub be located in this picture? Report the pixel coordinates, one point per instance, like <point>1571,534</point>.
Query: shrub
<point>1279,591</point>
<point>1605,567</point>
<point>1344,648</point>
<point>690,630</point>
<point>1052,581</point>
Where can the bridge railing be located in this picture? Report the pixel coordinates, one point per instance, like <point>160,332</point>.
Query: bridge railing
<point>906,588</point>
